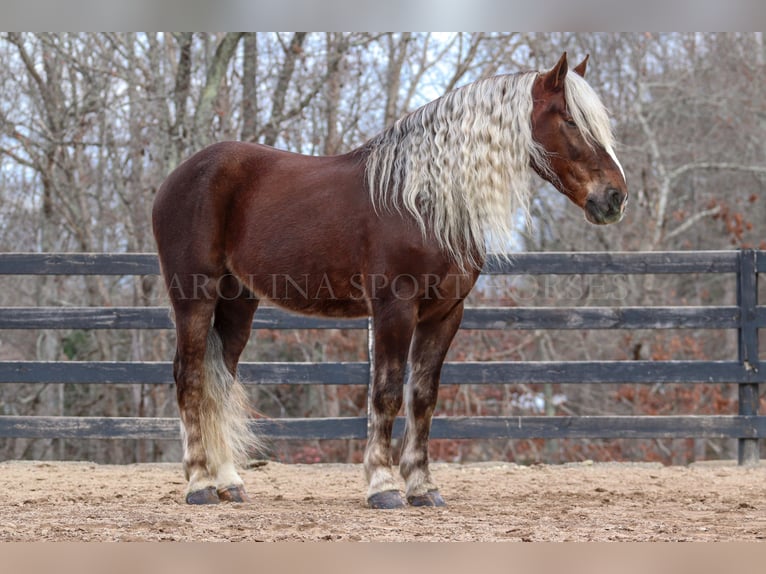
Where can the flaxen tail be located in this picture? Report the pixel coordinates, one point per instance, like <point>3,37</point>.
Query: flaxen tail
<point>224,420</point>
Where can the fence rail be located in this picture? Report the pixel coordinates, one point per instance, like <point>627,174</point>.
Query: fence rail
<point>746,317</point>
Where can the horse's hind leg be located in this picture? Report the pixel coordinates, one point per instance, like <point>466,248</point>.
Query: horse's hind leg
<point>392,331</point>
<point>233,323</point>
<point>193,319</point>
<point>212,403</point>
<point>429,348</point>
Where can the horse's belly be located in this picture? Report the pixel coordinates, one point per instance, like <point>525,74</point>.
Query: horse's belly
<point>312,294</point>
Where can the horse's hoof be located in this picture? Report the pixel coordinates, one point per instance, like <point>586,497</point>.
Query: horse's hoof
<point>388,499</point>
<point>233,494</point>
<point>207,495</point>
<point>430,498</point>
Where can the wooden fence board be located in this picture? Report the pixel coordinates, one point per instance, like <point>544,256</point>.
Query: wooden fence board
<point>607,263</point>
<point>687,426</point>
<point>149,318</point>
<point>517,263</point>
<point>760,261</point>
<point>528,318</point>
<point>626,427</point>
<point>357,373</point>
<point>347,373</point>
<point>574,372</point>
<point>79,264</point>
<point>601,318</point>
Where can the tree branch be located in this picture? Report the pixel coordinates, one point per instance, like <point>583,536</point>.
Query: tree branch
<point>692,220</point>
<point>680,171</point>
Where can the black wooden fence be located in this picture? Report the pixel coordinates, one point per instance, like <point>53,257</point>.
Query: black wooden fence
<point>746,317</point>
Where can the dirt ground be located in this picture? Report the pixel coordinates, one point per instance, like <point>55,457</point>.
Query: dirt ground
<point>67,501</point>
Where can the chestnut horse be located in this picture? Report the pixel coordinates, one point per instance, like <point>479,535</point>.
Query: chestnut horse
<point>396,229</point>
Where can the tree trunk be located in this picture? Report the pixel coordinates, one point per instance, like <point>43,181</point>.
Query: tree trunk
<point>216,71</point>
<point>292,51</point>
<point>249,91</point>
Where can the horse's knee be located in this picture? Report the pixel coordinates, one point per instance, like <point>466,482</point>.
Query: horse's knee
<point>387,399</point>
<point>423,399</point>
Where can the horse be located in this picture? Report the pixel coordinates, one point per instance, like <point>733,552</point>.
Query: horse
<point>397,230</point>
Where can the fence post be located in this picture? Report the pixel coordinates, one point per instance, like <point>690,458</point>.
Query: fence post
<point>371,362</point>
<point>747,300</point>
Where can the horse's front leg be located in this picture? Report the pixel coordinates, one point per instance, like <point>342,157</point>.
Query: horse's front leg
<point>429,348</point>
<point>392,333</point>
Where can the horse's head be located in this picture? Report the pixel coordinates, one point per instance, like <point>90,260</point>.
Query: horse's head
<point>571,124</point>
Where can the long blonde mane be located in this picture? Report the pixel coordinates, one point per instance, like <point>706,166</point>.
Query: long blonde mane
<point>461,165</point>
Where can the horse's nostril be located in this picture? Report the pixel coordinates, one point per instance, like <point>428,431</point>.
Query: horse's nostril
<point>616,197</point>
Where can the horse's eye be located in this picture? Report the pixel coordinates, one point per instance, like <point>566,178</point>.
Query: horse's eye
<point>570,122</point>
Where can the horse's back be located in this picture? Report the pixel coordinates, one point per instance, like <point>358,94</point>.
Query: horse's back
<point>215,172</point>
<point>254,207</point>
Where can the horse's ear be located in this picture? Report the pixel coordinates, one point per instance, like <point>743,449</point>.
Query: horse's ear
<point>553,80</point>
<point>580,68</point>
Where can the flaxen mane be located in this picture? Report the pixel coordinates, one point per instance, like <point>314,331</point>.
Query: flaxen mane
<point>461,165</point>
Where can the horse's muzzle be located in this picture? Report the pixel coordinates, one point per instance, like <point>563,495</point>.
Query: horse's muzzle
<point>606,207</point>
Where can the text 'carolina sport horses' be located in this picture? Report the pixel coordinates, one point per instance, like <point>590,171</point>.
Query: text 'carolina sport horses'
<point>397,229</point>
